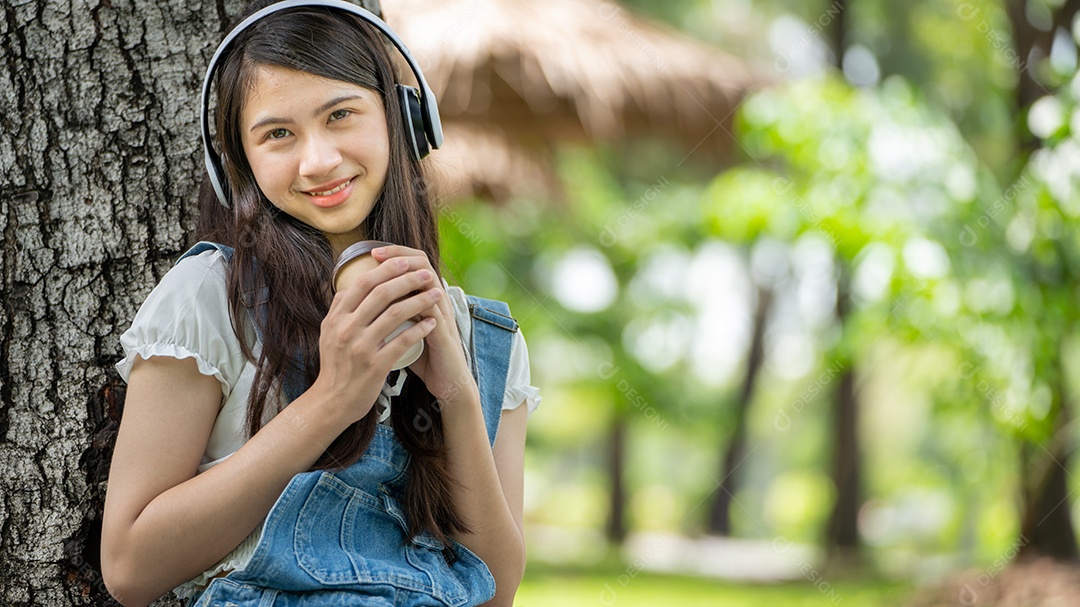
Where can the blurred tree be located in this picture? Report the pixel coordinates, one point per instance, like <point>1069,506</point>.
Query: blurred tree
<point>629,220</point>
<point>747,207</point>
<point>735,452</point>
<point>873,174</point>
<point>1036,25</point>
<point>1037,28</point>
<point>842,532</point>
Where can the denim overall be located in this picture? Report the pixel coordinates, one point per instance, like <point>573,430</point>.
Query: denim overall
<point>340,538</point>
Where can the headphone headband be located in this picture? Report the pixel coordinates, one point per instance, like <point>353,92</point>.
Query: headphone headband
<point>429,109</point>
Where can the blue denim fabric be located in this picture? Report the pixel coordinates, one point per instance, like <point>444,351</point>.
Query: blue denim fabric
<point>340,538</point>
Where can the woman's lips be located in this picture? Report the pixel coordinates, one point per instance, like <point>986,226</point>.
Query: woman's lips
<point>332,196</point>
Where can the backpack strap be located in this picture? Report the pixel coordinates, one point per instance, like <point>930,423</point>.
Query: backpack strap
<point>492,340</point>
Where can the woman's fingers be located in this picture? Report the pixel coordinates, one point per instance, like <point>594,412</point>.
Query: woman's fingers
<point>347,300</point>
<point>383,296</point>
<point>410,296</point>
<point>377,288</point>
<point>396,348</point>
<point>417,260</point>
<point>391,251</point>
<point>353,344</point>
<point>409,308</point>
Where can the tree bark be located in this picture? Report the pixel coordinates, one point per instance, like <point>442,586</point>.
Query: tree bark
<point>720,513</point>
<point>99,166</point>
<point>98,161</point>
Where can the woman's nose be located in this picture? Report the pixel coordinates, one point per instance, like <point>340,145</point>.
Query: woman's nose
<point>320,156</point>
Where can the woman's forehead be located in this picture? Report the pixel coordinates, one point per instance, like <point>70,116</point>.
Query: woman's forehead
<point>277,79</point>
<point>275,88</point>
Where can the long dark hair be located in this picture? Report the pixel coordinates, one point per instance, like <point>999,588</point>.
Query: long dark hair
<point>295,260</point>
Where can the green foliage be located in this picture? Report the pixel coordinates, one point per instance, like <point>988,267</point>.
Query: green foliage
<point>960,53</point>
<point>960,280</point>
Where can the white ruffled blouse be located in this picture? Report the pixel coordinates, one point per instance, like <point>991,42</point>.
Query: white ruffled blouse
<point>187,316</point>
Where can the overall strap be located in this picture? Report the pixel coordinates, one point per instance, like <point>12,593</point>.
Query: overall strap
<point>204,246</point>
<point>254,301</point>
<point>492,340</point>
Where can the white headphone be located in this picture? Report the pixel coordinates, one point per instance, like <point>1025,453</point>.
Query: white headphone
<point>423,129</point>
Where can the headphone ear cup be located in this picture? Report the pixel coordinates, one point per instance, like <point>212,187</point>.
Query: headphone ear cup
<point>226,191</point>
<point>413,117</point>
<point>215,172</point>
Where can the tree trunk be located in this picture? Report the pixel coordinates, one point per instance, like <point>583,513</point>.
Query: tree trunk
<point>842,534</point>
<point>838,28</point>
<point>720,513</point>
<point>99,162</point>
<point>616,524</point>
<point>1032,44</point>
<point>1046,527</point>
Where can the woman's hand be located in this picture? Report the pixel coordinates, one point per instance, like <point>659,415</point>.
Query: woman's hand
<point>354,359</point>
<point>442,366</point>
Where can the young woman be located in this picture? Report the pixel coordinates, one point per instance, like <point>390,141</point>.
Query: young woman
<point>268,454</point>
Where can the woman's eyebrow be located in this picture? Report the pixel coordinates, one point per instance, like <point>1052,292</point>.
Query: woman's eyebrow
<point>319,110</point>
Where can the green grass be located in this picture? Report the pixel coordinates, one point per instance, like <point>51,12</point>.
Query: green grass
<point>546,586</point>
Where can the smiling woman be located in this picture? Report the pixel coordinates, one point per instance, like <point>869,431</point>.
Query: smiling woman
<point>268,454</point>
<point>309,163</point>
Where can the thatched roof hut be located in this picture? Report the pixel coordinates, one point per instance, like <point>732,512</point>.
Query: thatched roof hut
<point>515,77</point>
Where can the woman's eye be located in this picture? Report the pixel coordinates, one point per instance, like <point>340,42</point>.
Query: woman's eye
<point>339,114</point>
<point>277,134</point>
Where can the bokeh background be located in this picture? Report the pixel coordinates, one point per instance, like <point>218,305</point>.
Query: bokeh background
<point>798,282</point>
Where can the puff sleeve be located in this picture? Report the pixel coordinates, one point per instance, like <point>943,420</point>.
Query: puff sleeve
<point>187,316</point>
<point>518,378</point>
